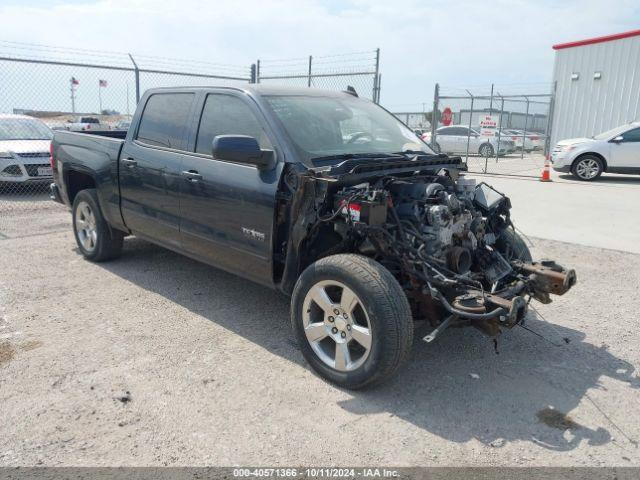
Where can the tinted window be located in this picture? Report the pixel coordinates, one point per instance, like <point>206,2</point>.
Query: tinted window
<point>445,131</point>
<point>632,135</point>
<point>228,115</point>
<point>164,119</point>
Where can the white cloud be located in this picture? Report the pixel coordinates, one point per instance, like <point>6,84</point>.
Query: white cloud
<point>456,43</point>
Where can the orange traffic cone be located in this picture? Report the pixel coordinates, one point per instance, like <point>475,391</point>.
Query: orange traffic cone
<point>546,171</point>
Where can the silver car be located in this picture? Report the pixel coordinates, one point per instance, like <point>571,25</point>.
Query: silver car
<point>614,151</point>
<point>454,139</point>
<point>24,150</point>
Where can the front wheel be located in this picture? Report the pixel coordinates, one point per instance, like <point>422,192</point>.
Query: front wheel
<point>96,241</point>
<point>352,320</point>
<point>512,246</point>
<point>587,168</point>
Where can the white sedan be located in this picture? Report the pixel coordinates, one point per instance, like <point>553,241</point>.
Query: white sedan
<point>614,151</point>
<point>458,139</point>
<point>24,150</point>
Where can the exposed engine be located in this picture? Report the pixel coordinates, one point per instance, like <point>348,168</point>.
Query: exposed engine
<point>446,239</point>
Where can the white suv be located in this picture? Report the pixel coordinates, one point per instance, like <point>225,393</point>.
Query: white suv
<point>454,139</point>
<point>614,151</point>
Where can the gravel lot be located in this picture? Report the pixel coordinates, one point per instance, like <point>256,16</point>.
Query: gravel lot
<point>154,359</point>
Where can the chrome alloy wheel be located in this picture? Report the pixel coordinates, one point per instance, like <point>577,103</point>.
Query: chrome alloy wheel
<point>336,325</point>
<point>485,151</point>
<point>86,229</point>
<point>587,168</point>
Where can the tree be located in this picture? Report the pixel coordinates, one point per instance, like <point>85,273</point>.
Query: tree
<point>429,116</point>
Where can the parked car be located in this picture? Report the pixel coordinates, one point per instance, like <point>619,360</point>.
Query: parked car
<point>24,149</point>
<point>81,124</point>
<point>615,151</point>
<point>123,125</point>
<point>365,234</point>
<point>453,139</point>
<point>521,140</point>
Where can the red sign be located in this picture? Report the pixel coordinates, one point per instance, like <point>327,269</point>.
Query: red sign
<point>446,117</point>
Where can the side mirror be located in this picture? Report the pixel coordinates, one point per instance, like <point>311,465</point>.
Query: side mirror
<point>241,149</point>
<point>618,139</point>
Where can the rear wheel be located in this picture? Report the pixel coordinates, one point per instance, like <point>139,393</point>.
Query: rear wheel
<point>486,150</point>
<point>96,241</point>
<point>352,320</point>
<point>587,168</point>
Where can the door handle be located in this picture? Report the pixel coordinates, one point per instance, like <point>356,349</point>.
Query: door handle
<point>192,175</point>
<point>129,162</point>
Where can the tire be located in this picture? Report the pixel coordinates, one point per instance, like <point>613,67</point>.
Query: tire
<point>96,241</point>
<point>587,168</point>
<point>486,150</point>
<point>375,303</point>
<point>512,247</point>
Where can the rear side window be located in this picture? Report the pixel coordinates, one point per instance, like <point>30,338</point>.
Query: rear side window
<point>459,131</point>
<point>164,120</point>
<point>227,115</point>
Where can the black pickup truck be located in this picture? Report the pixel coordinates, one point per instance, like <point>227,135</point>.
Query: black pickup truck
<point>322,195</point>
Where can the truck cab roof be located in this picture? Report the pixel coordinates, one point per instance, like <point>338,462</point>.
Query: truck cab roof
<point>258,90</point>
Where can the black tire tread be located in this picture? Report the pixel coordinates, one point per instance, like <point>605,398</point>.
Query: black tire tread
<point>110,241</point>
<point>389,298</point>
<point>511,238</point>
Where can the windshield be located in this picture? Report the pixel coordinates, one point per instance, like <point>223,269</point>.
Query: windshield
<point>614,132</point>
<point>23,129</point>
<point>331,126</point>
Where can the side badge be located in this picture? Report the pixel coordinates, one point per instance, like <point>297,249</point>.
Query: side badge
<point>253,234</point>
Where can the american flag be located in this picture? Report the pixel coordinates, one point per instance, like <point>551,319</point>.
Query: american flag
<point>74,81</point>
<point>102,83</point>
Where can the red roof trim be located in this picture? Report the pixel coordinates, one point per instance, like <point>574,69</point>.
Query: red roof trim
<point>591,41</point>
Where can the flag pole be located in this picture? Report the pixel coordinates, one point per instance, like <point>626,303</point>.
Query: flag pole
<point>100,97</point>
<point>73,96</point>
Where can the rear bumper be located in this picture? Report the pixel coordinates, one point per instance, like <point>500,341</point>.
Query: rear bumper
<point>54,193</point>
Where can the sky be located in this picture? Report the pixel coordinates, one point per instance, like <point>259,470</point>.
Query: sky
<point>460,44</point>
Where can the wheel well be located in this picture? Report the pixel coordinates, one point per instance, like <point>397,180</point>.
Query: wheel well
<point>591,154</point>
<point>77,181</point>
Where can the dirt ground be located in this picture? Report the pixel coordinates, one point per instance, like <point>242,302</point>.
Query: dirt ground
<point>154,359</point>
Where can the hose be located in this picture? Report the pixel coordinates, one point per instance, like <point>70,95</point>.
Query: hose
<point>472,316</point>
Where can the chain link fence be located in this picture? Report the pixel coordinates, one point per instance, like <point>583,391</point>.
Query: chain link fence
<point>360,70</point>
<point>503,131</point>
<point>45,88</point>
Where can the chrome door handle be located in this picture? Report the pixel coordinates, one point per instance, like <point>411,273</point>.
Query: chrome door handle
<point>192,175</point>
<point>129,162</point>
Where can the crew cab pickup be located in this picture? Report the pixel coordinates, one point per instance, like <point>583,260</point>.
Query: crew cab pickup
<point>322,195</point>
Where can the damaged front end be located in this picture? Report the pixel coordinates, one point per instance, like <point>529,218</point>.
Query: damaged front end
<point>449,241</point>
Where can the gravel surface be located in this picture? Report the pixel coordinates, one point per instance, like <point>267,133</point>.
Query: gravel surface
<point>154,359</point>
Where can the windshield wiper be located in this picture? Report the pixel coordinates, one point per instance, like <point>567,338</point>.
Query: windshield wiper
<point>413,152</point>
<point>347,156</point>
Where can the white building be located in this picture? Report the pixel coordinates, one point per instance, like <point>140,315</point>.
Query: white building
<point>597,85</point>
